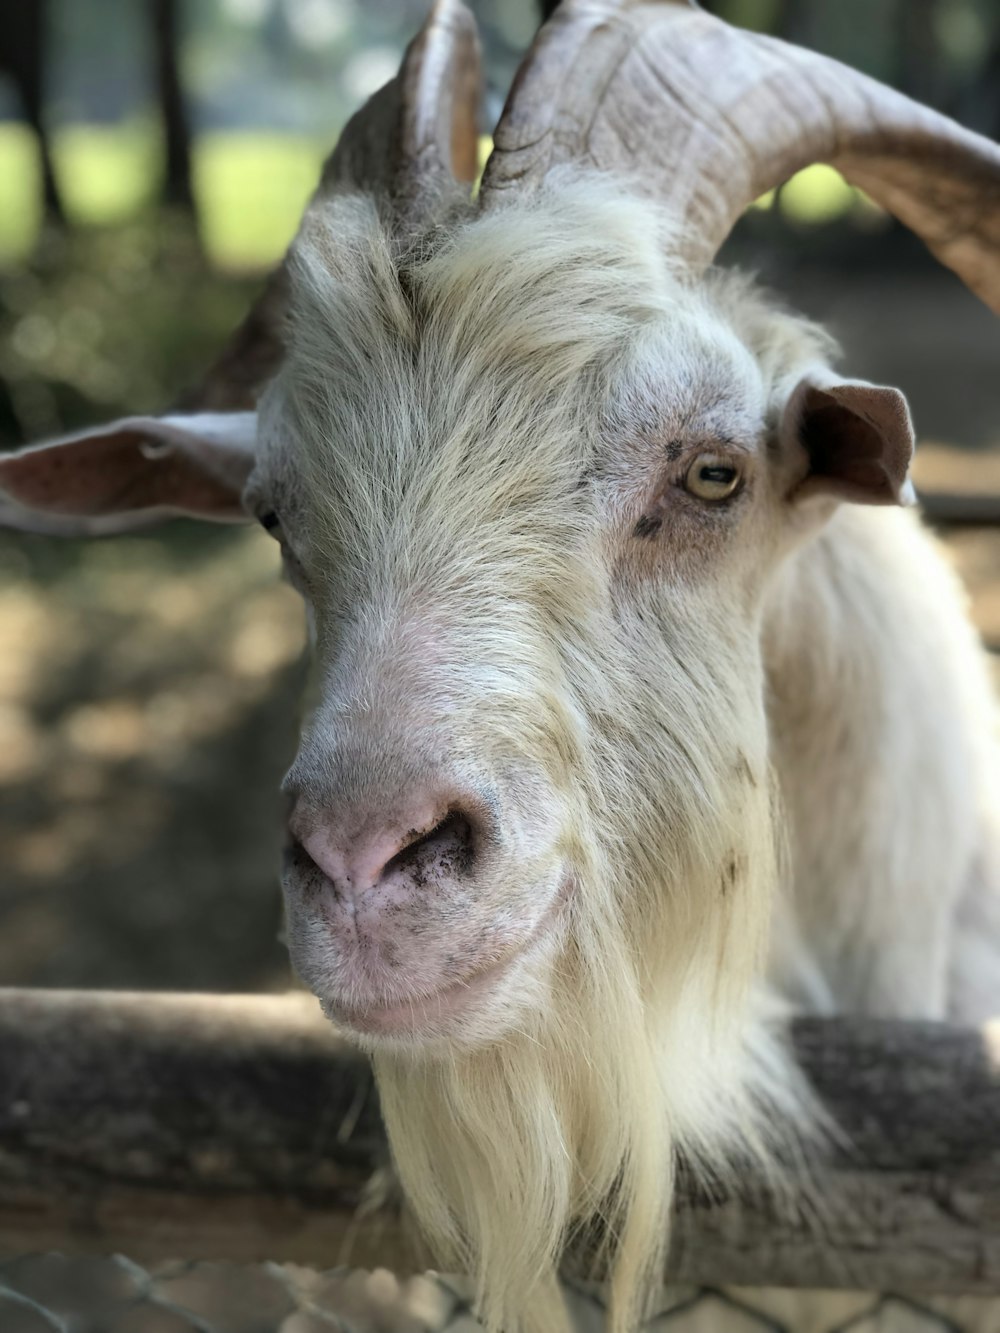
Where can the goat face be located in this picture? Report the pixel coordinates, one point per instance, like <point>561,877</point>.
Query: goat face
<point>531,486</point>
<point>531,478</point>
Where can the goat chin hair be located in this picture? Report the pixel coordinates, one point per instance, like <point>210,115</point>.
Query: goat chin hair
<point>509,1152</point>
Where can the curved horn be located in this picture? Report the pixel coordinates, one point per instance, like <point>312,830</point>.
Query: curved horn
<point>418,134</point>
<point>709,117</point>
<point>407,146</point>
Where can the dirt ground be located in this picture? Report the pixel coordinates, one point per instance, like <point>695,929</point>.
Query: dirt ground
<point>147,712</point>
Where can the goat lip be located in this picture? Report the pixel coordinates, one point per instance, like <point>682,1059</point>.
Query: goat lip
<point>416,1015</point>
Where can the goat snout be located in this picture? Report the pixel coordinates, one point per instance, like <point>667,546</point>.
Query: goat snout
<point>392,859</point>
<point>413,912</point>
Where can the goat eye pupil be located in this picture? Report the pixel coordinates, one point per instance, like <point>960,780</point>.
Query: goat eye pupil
<point>711,478</point>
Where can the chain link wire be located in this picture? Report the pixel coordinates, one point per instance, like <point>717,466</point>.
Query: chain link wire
<point>54,1293</point>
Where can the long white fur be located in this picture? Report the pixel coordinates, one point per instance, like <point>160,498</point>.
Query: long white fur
<point>807,716</point>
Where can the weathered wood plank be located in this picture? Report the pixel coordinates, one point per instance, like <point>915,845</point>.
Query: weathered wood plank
<point>243,1127</point>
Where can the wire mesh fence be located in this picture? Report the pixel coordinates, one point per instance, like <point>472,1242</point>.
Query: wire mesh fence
<point>53,1293</point>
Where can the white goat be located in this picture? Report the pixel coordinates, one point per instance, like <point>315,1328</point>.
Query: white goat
<point>621,726</point>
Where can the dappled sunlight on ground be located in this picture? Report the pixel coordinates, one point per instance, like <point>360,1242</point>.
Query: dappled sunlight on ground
<point>147,711</point>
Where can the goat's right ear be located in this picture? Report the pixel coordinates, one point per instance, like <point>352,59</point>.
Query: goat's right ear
<point>849,440</point>
<point>130,473</point>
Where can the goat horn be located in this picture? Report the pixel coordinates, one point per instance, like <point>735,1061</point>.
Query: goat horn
<point>708,118</point>
<point>407,146</point>
<point>418,134</point>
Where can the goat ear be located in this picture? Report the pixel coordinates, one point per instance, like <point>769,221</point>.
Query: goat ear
<point>130,473</point>
<point>852,440</point>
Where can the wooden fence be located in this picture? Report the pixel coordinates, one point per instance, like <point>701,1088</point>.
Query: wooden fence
<point>243,1128</point>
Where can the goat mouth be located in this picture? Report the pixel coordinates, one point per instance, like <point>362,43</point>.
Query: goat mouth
<point>417,1013</point>
<point>420,1015</point>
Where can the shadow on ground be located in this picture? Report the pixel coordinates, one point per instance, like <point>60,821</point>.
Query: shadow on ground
<point>147,712</point>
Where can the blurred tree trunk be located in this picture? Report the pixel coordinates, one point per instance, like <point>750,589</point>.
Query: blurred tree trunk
<point>792,21</point>
<point>981,104</point>
<point>921,73</point>
<point>23,29</point>
<point>991,82</point>
<point>177,187</point>
<point>787,18</point>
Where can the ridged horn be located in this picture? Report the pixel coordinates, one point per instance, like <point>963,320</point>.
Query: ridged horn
<point>708,117</point>
<point>409,144</point>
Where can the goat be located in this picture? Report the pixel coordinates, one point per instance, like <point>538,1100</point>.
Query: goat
<point>639,706</point>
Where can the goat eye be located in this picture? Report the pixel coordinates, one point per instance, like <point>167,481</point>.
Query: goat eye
<point>712,478</point>
<point>269,520</point>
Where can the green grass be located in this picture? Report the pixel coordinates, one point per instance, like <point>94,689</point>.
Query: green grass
<point>106,173</point>
<point>20,211</point>
<point>251,187</point>
<point>819,195</point>
<point>251,191</point>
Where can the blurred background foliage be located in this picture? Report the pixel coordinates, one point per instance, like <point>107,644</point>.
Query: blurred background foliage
<point>154,159</point>
<point>155,156</point>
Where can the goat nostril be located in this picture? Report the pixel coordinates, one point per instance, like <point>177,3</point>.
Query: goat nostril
<point>328,857</point>
<point>295,859</point>
<point>450,845</point>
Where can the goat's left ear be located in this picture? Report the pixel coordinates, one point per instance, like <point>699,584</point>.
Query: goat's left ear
<point>130,473</point>
<point>850,440</point>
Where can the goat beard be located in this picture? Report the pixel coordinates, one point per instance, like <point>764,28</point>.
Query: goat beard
<point>506,1153</point>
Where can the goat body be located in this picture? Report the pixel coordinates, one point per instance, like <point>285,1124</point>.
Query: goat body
<point>883,734</point>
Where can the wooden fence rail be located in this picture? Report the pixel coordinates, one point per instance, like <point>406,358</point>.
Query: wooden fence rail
<point>244,1128</point>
